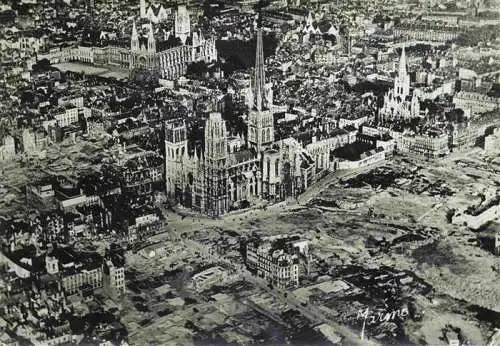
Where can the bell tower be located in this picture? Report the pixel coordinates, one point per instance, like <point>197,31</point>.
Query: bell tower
<point>182,26</point>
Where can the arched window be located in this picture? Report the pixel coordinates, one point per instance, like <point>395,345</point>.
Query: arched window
<point>276,168</point>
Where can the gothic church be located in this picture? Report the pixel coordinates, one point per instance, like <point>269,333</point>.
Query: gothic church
<point>232,169</point>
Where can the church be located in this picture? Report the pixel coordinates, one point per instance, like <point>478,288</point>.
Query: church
<point>164,56</point>
<point>399,102</point>
<point>167,61</point>
<point>164,59</point>
<point>233,169</point>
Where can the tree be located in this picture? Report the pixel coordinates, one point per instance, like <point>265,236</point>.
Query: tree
<point>474,36</point>
<point>199,68</point>
<point>42,66</point>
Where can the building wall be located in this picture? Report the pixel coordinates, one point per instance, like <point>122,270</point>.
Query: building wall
<point>369,160</point>
<point>423,145</point>
<point>8,149</point>
<point>343,122</point>
<point>426,34</point>
<point>475,222</point>
<point>16,268</point>
<point>169,64</point>
<point>279,269</point>
<point>72,283</point>
<point>475,102</point>
<point>114,278</point>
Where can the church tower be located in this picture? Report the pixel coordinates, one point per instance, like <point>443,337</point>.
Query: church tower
<point>182,26</point>
<point>134,41</point>
<point>402,81</point>
<point>176,147</point>
<point>261,121</point>
<point>216,160</point>
<point>142,8</point>
<point>151,40</point>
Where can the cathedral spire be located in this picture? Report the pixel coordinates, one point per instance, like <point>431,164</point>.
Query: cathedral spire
<point>259,78</point>
<point>402,63</point>
<point>142,8</point>
<point>134,31</point>
<point>134,43</point>
<point>151,40</point>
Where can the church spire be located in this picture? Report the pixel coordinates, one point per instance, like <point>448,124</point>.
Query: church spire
<point>142,8</point>
<point>134,41</point>
<point>259,78</point>
<point>151,40</point>
<point>402,64</point>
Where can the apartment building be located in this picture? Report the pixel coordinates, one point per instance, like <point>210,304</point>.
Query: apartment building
<point>276,259</point>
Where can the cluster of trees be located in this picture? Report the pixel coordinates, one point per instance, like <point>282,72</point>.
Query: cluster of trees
<point>242,53</point>
<point>474,36</point>
<point>199,68</point>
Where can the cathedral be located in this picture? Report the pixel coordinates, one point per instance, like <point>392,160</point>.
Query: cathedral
<point>165,56</point>
<point>399,102</point>
<point>233,169</point>
<point>165,61</point>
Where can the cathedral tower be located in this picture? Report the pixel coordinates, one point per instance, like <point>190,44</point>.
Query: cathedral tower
<point>151,40</point>
<point>261,121</point>
<point>176,147</point>
<point>216,160</point>
<point>182,23</point>
<point>134,40</point>
<point>142,8</point>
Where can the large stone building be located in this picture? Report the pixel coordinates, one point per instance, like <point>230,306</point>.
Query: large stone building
<point>230,170</point>
<point>430,32</point>
<point>75,271</point>
<point>164,57</point>
<point>277,259</point>
<point>475,102</point>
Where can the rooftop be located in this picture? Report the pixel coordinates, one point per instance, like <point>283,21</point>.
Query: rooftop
<point>353,151</point>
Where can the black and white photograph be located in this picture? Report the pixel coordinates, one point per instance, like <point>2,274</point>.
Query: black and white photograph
<point>250,172</point>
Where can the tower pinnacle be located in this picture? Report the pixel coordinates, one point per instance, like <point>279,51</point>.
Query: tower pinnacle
<point>151,40</point>
<point>134,42</point>
<point>402,63</point>
<point>259,78</point>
